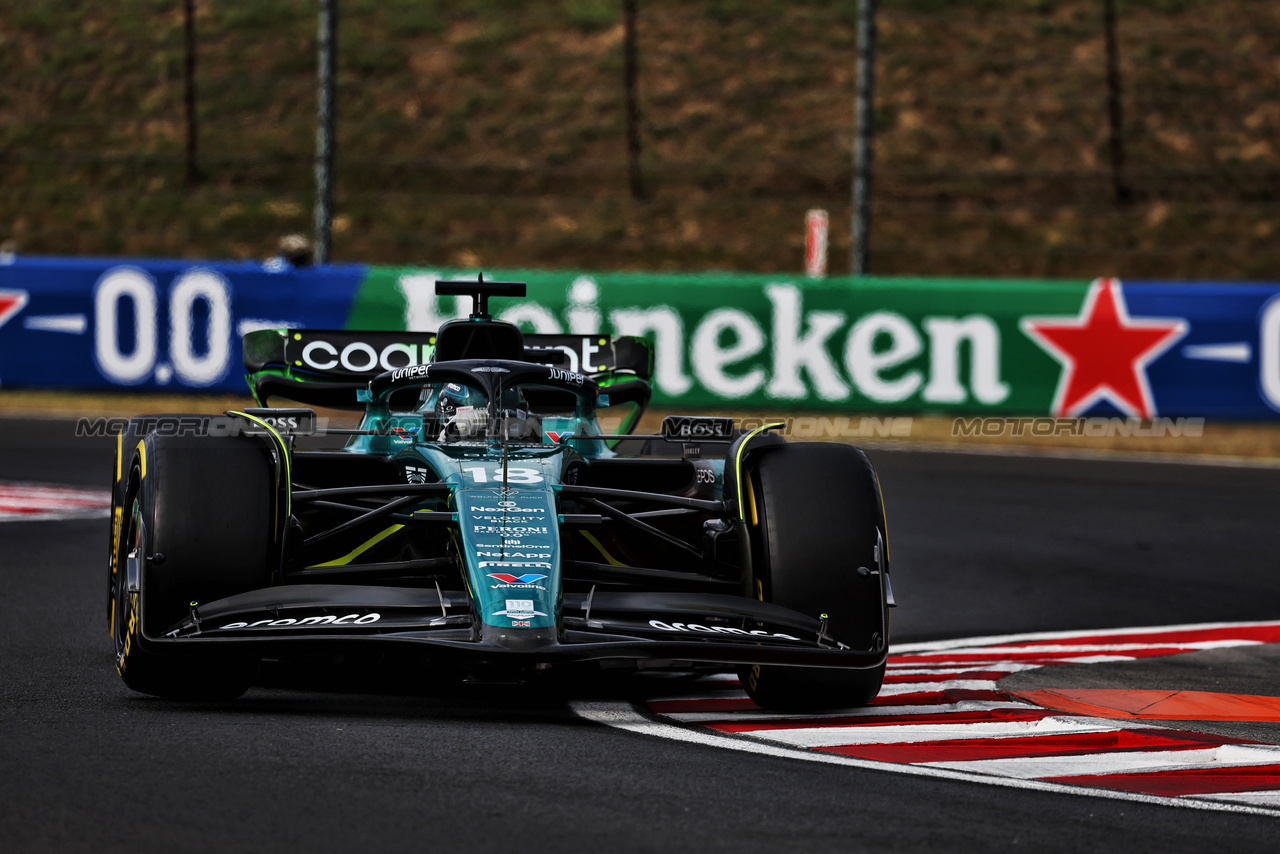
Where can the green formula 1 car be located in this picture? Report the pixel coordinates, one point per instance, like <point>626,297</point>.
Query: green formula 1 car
<point>479,517</point>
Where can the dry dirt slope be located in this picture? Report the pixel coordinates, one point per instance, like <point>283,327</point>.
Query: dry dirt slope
<point>491,132</point>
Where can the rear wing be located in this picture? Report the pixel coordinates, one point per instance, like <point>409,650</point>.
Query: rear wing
<point>325,367</point>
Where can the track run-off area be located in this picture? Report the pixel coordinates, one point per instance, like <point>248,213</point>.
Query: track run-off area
<point>1050,610</point>
<point>32,502</point>
<point>942,713</point>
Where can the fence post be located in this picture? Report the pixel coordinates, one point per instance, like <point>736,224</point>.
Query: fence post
<point>189,94</point>
<point>862,138</point>
<point>326,62</point>
<point>630,74</point>
<point>1114,113</point>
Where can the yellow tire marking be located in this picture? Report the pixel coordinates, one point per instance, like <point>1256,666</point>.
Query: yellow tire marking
<point>884,518</point>
<point>737,463</point>
<point>284,455</point>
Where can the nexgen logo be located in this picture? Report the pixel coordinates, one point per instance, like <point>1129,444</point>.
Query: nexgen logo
<point>359,357</point>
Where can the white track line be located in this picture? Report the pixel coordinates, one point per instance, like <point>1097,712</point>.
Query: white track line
<point>894,688</point>
<point>1072,649</point>
<point>861,712</point>
<point>1262,799</point>
<point>1055,659</point>
<point>997,667</point>
<point>706,692</point>
<point>1128,762</point>
<point>918,732</point>
<point>993,640</point>
<point>1070,454</point>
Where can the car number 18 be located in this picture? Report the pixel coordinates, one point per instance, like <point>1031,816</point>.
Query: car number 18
<point>480,474</point>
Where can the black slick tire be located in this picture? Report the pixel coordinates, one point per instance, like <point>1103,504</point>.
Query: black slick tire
<point>198,520</point>
<point>816,520</point>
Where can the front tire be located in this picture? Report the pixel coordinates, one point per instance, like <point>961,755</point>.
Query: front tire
<point>197,522</point>
<point>815,531</point>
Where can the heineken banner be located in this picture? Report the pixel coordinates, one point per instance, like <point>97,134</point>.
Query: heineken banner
<point>721,340</point>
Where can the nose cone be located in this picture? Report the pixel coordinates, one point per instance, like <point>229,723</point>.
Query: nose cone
<point>519,640</point>
<point>512,548</point>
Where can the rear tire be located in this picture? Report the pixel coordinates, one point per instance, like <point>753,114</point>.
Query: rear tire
<point>198,520</point>
<point>818,518</point>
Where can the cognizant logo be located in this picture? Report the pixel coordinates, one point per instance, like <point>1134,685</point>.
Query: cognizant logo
<point>359,357</point>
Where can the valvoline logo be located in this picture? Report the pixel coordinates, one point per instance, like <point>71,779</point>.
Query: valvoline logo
<point>527,578</point>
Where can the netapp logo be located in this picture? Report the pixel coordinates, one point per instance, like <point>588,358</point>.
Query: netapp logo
<point>327,620</point>
<point>722,630</point>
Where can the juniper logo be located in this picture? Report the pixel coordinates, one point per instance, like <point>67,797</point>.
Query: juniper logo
<point>415,372</point>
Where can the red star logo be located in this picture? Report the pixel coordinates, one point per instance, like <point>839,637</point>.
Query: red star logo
<point>1104,352</point>
<point>11,302</point>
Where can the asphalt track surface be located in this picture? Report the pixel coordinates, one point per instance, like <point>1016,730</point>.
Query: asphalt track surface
<point>980,545</point>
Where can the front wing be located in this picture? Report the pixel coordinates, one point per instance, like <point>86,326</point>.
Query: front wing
<point>329,619</point>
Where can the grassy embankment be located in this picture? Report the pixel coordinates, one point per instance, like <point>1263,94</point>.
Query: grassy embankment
<point>491,132</point>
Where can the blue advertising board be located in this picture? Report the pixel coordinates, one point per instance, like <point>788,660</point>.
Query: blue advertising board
<point>153,325</point>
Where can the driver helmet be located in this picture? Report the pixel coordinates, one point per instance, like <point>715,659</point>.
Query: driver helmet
<point>462,413</point>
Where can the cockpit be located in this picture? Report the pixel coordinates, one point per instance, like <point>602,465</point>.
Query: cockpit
<point>454,412</point>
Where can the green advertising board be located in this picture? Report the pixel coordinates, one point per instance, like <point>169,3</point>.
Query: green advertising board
<point>775,342</point>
